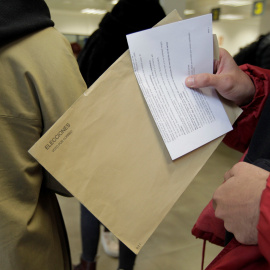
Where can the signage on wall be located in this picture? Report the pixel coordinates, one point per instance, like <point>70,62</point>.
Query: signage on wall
<point>215,14</point>
<point>258,8</point>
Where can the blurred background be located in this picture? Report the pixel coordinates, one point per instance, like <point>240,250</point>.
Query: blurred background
<point>236,22</point>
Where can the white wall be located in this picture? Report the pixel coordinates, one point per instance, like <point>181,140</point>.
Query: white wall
<point>75,22</point>
<point>265,22</point>
<point>170,5</point>
<point>237,34</point>
<point>68,22</point>
<point>233,35</point>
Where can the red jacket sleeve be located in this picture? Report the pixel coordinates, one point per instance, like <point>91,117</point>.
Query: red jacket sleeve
<point>243,129</point>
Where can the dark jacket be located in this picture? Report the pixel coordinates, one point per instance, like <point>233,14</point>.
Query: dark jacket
<point>109,42</point>
<point>257,53</point>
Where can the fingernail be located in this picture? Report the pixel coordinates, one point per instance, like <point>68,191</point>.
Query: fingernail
<point>190,81</point>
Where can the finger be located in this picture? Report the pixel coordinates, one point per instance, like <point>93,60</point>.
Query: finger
<point>219,209</point>
<point>218,212</point>
<point>228,226</point>
<point>231,173</point>
<point>215,197</point>
<point>228,175</point>
<point>201,80</point>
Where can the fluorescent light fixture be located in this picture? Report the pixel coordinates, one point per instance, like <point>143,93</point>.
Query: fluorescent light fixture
<point>235,3</point>
<point>231,17</point>
<point>93,11</point>
<point>189,11</point>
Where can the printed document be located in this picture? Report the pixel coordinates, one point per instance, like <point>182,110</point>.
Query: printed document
<point>162,58</point>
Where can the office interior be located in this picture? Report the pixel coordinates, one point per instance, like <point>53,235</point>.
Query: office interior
<point>171,246</point>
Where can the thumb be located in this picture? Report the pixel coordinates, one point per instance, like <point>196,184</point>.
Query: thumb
<point>201,80</point>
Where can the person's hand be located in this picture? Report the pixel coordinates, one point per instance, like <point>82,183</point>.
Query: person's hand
<point>237,201</point>
<point>230,81</point>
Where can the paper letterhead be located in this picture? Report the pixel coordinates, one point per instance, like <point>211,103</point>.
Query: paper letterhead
<point>107,151</point>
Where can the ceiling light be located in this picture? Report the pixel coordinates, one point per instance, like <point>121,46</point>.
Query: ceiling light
<point>235,3</point>
<point>114,2</point>
<point>231,17</point>
<point>93,11</point>
<point>189,11</point>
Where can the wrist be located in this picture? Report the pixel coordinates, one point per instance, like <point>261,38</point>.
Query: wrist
<point>248,92</point>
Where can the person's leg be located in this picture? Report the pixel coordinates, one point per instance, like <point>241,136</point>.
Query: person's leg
<point>90,231</point>
<point>126,257</point>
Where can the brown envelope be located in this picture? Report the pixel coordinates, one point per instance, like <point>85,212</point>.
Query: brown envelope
<point>107,151</point>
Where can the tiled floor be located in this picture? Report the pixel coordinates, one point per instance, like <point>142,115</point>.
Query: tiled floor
<point>171,247</point>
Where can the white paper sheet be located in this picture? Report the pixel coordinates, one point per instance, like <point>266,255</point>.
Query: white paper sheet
<point>162,58</point>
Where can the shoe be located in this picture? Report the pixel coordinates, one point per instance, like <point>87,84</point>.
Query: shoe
<point>85,265</point>
<point>110,243</point>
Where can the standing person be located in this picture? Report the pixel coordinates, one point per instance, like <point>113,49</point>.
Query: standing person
<point>40,80</point>
<point>102,49</point>
<point>256,53</point>
<point>242,202</point>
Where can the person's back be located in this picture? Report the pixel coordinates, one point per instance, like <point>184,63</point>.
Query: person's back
<point>263,52</point>
<point>257,53</point>
<point>109,41</point>
<point>40,80</point>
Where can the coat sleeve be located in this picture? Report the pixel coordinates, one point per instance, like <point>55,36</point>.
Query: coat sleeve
<point>243,129</point>
<point>59,83</point>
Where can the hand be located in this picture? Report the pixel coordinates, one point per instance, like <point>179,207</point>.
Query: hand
<point>230,81</point>
<point>237,201</point>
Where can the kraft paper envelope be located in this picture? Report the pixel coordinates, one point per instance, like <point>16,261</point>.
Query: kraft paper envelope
<point>107,151</point>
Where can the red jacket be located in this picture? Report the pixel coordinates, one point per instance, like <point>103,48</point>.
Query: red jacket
<point>208,227</point>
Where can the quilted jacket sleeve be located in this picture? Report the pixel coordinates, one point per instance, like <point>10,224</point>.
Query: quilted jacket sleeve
<point>243,129</point>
